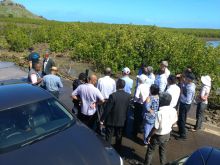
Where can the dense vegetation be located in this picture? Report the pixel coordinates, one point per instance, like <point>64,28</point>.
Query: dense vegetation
<point>115,46</point>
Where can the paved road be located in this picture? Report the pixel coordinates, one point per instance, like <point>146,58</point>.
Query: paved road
<point>132,152</point>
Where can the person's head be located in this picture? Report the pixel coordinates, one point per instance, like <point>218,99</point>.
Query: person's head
<point>31,49</point>
<point>189,78</point>
<point>142,78</point>
<point>93,79</point>
<point>126,71</point>
<point>82,77</point>
<point>206,80</point>
<point>163,65</point>
<point>54,70</point>
<point>188,69</point>
<point>145,71</point>
<point>108,72</point>
<point>37,67</point>
<point>161,71</point>
<point>150,69</point>
<point>143,65</point>
<point>47,54</point>
<point>171,80</point>
<point>120,84</point>
<point>164,99</point>
<point>154,90</point>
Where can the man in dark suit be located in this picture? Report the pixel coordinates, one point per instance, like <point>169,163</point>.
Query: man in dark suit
<point>48,63</point>
<point>114,115</point>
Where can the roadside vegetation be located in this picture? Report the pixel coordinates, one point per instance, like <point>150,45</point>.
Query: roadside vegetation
<point>117,46</point>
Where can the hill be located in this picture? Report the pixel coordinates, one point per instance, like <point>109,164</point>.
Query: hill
<point>10,9</point>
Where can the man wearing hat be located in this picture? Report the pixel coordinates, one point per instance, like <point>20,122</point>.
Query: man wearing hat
<point>128,81</point>
<point>202,101</point>
<point>163,66</point>
<point>52,82</point>
<point>186,99</point>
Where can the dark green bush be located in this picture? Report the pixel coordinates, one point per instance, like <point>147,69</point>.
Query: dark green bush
<point>18,39</point>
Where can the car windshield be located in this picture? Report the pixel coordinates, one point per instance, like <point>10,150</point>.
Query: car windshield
<point>25,124</point>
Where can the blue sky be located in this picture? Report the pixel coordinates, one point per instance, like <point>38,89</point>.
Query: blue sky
<point>165,13</point>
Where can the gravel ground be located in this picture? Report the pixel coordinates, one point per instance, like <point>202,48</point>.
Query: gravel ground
<point>212,117</point>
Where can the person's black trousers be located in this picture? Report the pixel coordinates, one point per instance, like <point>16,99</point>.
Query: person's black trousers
<point>157,140</point>
<point>201,107</point>
<point>183,110</point>
<point>138,118</point>
<point>88,120</point>
<point>110,131</point>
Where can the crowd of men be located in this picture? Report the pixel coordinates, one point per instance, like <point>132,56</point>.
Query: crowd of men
<point>44,74</point>
<point>160,101</point>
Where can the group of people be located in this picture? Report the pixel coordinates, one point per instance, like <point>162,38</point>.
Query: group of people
<point>44,73</point>
<point>158,101</point>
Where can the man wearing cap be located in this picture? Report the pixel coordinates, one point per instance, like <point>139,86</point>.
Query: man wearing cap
<point>128,81</point>
<point>33,58</point>
<point>186,99</point>
<point>163,66</point>
<point>48,63</point>
<point>202,101</point>
<point>52,82</point>
<point>141,94</point>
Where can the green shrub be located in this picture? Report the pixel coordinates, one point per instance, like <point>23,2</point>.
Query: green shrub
<point>18,39</point>
<point>3,43</point>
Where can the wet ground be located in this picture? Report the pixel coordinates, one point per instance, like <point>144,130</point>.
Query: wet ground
<point>133,152</point>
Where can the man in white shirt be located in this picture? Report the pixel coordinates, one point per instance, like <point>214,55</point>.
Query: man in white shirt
<point>164,66</point>
<point>106,84</point>
<point>34,75</point>
<point>89,96</point>
<point>142,92</point>
<point>160,134</point>
<point>173,90</point>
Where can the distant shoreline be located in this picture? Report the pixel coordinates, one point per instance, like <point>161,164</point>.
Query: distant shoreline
<point>211,39</point>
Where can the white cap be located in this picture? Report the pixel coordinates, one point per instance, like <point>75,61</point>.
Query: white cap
<point>126,70</point>
<point>206,80</point>
<point>143,78</point>
<point>165,63</point>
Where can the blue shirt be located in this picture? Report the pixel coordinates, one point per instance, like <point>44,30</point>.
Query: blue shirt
<point>188,93</point>
<point>153,104</point>
<point>52,82</point>
<point>128,84</point>
<point>161,81</point>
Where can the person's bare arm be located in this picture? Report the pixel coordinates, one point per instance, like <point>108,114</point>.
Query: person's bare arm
<point>38,81</point>
<point>74,97</point>
<point>151,134</point>
<point>30,64</point>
